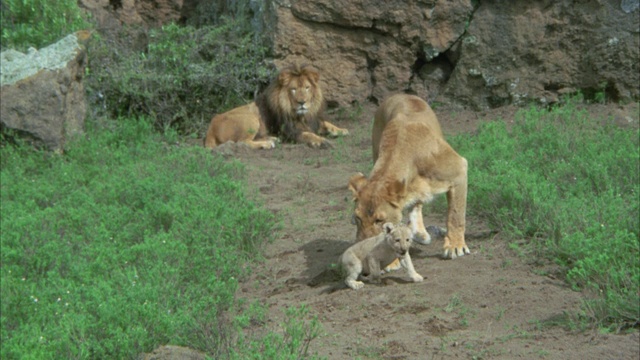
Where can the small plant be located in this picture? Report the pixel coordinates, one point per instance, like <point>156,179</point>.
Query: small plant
<point>292,344</point>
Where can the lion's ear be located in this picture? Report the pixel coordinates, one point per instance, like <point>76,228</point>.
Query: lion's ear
<point>356,182</point>
<point>388,227</point>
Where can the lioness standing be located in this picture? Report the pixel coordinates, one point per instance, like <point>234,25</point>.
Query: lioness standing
<point>368,256</point>
<point>413,162</point>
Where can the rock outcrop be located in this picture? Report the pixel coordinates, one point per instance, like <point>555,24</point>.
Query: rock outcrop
<point>473,53</point>
<point>491,54</point>
<point>110,14</point>
<point>42,93</point>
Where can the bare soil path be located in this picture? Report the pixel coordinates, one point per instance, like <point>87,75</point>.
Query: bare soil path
<point>491,304</point>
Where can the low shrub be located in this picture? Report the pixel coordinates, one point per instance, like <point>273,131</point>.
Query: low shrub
<point>181,75</point>
<point>570,183</point>
<point>126,242</point>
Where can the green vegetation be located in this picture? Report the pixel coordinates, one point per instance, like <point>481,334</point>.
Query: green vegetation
<point>570,183</point>
<point>38,23</point>
<point>181,76</point>
<point>127,242</point>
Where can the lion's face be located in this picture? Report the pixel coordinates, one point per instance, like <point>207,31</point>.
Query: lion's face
<point>374,206</point>
<point>398,237</point>
<point>298,91</point>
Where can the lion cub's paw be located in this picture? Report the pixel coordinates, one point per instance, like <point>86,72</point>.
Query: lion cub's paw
<point>422,237</point>
<point>354,284</point>
<point>417,278</point>
<point>453,253</point>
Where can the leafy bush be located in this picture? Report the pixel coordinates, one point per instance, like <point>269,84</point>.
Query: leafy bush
<point>126,242</point>
<point>570,183</point>
<point>37,23</point>
<point>183,77</point>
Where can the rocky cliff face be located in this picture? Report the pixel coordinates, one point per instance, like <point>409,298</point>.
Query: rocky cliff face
<point>474,53</point>
<point>479,54</point>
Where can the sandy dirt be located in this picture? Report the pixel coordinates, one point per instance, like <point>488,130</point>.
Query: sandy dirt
<point>490,304</point>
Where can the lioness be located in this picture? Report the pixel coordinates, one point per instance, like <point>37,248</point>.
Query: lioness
<point>291,108</point>
<point>366,257</point>
<point>413,162</point>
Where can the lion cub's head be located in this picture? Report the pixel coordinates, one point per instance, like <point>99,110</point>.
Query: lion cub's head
<point>297,92</point>
<point>398,237</point>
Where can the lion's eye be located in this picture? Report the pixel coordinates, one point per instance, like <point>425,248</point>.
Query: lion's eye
<point>308,88</point>
<point>378,221</point>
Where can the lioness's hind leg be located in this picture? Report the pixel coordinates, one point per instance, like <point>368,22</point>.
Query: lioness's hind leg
<point>454,243</point>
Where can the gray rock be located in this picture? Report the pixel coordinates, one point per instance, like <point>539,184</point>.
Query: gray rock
<point>42,92</point>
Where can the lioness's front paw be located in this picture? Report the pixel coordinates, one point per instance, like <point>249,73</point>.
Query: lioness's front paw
<point>416,277</point>
<point>354,284</point>
<point>422,237</point>
<point>454,252</point>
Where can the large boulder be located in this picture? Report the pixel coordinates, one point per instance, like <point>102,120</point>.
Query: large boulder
<point>42,92</point>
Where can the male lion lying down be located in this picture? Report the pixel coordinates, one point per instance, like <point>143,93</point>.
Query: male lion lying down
<point>367,256</point>
<point>290,108</point>
<point>413,163</point>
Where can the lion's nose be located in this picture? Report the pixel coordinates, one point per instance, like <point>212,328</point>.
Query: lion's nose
<point>403,252</point>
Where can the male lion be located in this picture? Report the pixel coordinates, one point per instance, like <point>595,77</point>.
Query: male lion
<point>290,108</point>
<point>367,256</point>
<point>413,163</point>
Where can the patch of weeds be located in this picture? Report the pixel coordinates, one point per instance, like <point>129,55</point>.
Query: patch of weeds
<point>517,333</point>
<point>568,185</point>
<point>293,343</point>
<point>506,263</point>
<point>455,304</point>
<point>121,244</point>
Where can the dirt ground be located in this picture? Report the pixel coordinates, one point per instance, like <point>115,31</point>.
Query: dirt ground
<point>490,304</point>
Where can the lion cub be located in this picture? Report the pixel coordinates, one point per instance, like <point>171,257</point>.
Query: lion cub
<point>367,256</point>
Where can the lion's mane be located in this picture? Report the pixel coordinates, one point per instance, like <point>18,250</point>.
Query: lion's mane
<point>277,110</point>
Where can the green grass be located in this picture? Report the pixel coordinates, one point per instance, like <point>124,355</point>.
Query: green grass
<point>569,183</point>
<point>125,243</point>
